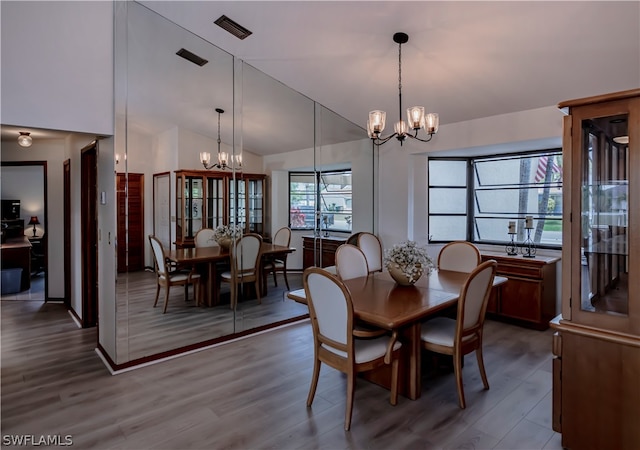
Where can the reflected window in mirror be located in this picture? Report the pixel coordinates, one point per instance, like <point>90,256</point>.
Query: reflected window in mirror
<point>325,197</point>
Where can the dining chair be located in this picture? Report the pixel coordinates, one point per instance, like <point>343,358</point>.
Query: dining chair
<point>279,263</point>
<point>351,262</point>
<point>353,238</point>
<point>205,238</point>
<point>462,335</point>
<point>459,256</point>
<point>245,266</point>
<point>371,246</point>
<point>167,277</point>
<point>334,342</point>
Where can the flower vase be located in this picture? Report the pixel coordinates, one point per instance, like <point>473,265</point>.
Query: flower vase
<point>225,242</point>
<point>399,277</point>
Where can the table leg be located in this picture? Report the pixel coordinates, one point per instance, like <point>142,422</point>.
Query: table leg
<point>414,370</point>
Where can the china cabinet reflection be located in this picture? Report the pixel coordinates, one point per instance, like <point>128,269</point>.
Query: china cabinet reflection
<point>207,199</point>
<point>596,369</point>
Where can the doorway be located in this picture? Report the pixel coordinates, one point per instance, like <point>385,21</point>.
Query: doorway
<point>130,198</point>
<point>89,234</point>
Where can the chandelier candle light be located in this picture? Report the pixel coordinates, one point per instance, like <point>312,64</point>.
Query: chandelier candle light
<point>416,117</point>
<point>225,161</point>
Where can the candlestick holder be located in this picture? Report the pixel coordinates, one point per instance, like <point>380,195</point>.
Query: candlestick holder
<point>528,246</point>
<point>511,247</point>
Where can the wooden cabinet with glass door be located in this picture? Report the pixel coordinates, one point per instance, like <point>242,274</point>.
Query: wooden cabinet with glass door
<point>247,202</point>
<point>596,370</point>
<point>207,199</point>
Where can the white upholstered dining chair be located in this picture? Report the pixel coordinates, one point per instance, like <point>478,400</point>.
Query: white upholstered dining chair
<point>371,246</point>
<point>205,238</point>
<point>351,262</point>
<point>245,266</point>
<point>460,336</point>
<point>167,277</point>
<point>331,313</point>
<point>459,256</point>
<point>279,263</point>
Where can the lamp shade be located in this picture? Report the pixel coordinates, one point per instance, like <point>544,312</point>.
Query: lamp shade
<point>34,220</point>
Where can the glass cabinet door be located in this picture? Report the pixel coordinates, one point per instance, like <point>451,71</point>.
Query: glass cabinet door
<point>193,204</point>
<point>255,206</point>
<point>179,209</point>
<point>237,203</point>
<point>604,215</point>
<point>215,202</point>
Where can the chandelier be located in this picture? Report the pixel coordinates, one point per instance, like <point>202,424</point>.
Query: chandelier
<point>416,118</point>
<point>225,160</point>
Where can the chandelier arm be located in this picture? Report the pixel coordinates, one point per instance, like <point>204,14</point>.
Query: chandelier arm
<point>419,139</point>
<point>380,141</point>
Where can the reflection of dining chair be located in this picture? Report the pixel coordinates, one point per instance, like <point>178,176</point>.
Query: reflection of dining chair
<point>331,313</point>
<point>351,262</point>
<point>462,335</point>
<point>459,256</point>
<point>371,246</point>
<point>278,263</point>
<point>245,264</point>
<point>204,238</point>
<point>168,278</point>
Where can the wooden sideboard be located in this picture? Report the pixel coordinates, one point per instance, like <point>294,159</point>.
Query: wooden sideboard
<point>320,251</point>
<point>529,295</point>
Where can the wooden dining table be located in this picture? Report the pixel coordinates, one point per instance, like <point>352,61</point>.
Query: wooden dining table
<point>209,257</point>
<point>378,300</point>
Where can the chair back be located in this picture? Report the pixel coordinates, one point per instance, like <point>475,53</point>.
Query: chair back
<point>330,309</point>
<point>459,256</point>
<point>205,238</point>
<point>351,262</point>
<point>246,253</point>
<point>371,246</point>
<point>474,297</point>
<point>283,237</point>
<point>158,255</point>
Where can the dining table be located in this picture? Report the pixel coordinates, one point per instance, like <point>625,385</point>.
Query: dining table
<point>379,301</point>
<point>209,258</point>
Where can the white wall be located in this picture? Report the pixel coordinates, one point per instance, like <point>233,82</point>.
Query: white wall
<point>57,65</point>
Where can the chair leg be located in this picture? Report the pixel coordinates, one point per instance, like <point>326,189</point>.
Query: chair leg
<point>394,381</point>
<point>314,381</point>
<point>157,294</point>
<point>234,295</point>
<point>351,387</point>
<point>483,374</point>
<point>286,281</point>
<point>275,279</point>
<point>166,298</point>
<point>457,367</point>
<point>257,284</point>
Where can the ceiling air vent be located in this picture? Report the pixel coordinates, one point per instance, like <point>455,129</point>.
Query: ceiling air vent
<point>186,54</point>
<point>232,27</point>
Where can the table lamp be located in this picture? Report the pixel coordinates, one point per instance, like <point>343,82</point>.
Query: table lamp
<point>34,221</point>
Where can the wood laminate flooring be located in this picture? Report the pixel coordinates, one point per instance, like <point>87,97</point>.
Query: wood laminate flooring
<point>251,394</point>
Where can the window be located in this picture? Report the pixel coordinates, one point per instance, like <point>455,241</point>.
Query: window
<point>329,193</point>
<point>474,199</point>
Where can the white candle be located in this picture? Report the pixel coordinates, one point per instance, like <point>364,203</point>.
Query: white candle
<point>528,222</point>
<point>512,227</point>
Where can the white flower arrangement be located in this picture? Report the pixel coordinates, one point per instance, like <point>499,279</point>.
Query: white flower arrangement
<point>410,258</point>
<point>224,232</point>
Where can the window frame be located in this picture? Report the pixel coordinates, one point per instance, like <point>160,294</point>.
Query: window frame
<point>472,189</point>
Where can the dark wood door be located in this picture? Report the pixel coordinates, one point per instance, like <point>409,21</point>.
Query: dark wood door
<point>130,189</point>
<point>67,232</point>
<point>89,232</point>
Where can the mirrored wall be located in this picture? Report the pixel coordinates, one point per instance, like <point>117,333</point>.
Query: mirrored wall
<point>166,116</point>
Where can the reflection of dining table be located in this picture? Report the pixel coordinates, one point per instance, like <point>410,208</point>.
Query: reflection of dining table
<point>210,256</point>
<point>379,301</point>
